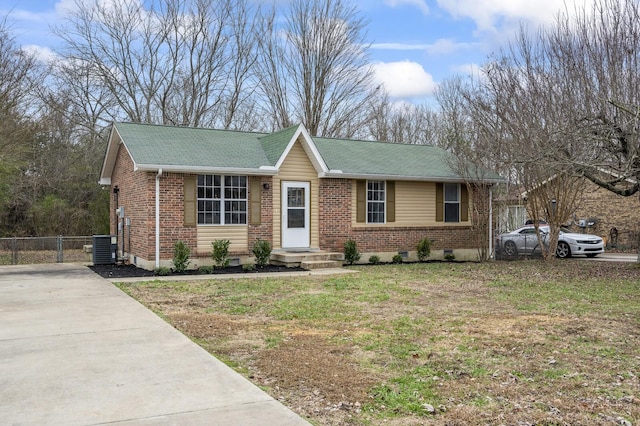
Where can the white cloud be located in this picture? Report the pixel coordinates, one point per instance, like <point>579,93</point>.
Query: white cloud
<point>404,79</point>
<point>489,15</point>
<point>473,70</point>
<point>63,7</point>
<point>443,46</point>
<point>399,46</point>
<point>420,4</point>
<point>43,54</point>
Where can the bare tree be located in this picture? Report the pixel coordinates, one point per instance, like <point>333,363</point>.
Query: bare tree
<point>18,80</point>
<point>20,77</point>
<point>595,53</point>
<point>475,154</point>
<point>314,68</point>
<point>564,103</point>
<point>400,122</point>
<point>164,61</point>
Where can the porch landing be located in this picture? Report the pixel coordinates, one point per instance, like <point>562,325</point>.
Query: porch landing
<point>307,259</point>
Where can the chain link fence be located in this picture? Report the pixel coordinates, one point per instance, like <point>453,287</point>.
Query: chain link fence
<point>60,249</point>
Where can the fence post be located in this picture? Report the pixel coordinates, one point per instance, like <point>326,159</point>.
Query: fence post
<point>14,251</point>
<point>59,245</point>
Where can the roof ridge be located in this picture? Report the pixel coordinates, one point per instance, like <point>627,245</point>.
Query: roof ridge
<point>170,126</point>
<point>374,141</point>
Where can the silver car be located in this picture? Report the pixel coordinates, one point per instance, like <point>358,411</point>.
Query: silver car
<point>524,241</point>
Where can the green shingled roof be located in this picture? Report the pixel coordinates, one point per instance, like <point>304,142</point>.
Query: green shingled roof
<point>385,159</point>
<point>183,148</point>
<point>192,147</point>
<point>274,144</point>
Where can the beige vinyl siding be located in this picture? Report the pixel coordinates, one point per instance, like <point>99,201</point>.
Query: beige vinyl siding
<point>237,234</point>
<point>298,168</point>
<point>415,205</point>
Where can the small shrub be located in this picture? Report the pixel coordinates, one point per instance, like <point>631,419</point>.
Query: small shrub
<point>374,259</point>
<point>449,256</point>
<point>220,253</point>
<point>248,267</point>
<point>351,253</point>
<point>181,254</point>
<point>424,249</point>
<point>162,271</point>
<point>397,258</point>
<point>262,252</point>
<point>207,269</point>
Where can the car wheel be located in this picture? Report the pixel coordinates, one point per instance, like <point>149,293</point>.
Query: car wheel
<point>510,249</point>
<point>563,250</point>
<point>592,254</point>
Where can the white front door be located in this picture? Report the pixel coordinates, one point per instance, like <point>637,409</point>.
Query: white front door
<point>296,230</point>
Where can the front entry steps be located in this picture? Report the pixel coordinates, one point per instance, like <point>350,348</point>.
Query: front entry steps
<point>307,259</point>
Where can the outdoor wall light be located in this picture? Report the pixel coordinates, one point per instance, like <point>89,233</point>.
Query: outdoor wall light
<point>265,186</point>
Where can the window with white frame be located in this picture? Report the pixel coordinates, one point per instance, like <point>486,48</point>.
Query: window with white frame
<point>376,201</point>
<point>452,202</point>
<point>222,200</point>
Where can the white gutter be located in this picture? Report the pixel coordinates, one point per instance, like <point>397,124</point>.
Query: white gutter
<point>261,171</point>
<point>438,179</point>
<point>158,218</point>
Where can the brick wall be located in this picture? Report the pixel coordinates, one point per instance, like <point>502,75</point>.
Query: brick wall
<point>264,231</point>
<point>137,194</point>
<point>172,227</point>
<point>336,220</point>
<point>335,213</point>
<point>610,210</point>
<point>138,199</point>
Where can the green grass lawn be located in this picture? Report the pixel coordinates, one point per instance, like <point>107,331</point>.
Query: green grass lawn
<point>524,342</point>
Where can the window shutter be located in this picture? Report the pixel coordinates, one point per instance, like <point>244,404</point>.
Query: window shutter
<point>464,203</point>
<point>361,201</point>
<point>255,201</point>
<point>439,202</point>
<point>391,201</point>
<point>189,200</point>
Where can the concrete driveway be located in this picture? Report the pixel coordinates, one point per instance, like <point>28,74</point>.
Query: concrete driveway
<point>614,257</point>
<point>75,350</point>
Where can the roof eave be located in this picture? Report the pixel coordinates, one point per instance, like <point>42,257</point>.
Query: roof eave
<point>342,175</point>
<point>110,156</point>
<point>259,171</point>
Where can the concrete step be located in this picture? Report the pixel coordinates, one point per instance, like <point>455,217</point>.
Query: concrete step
<point>320,264</point>
<point>302,256</point>
<point>313,260</point>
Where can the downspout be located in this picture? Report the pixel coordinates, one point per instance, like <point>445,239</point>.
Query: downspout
<point>158,218</point>
<point>491,253</point>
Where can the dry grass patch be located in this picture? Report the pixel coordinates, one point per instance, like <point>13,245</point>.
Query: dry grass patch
<point>519,343</point>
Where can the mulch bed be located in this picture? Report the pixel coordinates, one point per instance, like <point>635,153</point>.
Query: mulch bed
<point>126,271</point>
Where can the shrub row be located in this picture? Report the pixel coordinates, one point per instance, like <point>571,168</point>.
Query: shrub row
<point>352,255</point>
<point>219,254</point>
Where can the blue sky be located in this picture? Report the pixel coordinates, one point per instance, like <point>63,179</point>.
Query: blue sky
<point>415,43</point>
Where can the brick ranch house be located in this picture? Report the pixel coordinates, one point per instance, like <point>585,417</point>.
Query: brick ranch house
<point>299,192</point>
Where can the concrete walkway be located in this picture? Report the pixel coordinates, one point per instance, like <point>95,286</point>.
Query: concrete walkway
<point>75,350</point>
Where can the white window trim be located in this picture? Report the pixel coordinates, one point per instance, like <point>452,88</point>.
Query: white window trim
<point>222,200</point>
<point>384,203</point>
<point>458,202</point>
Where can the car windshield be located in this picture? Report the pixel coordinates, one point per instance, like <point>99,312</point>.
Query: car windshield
<point>562,229</point>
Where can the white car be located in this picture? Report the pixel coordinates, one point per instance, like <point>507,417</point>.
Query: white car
<point>524,241</point>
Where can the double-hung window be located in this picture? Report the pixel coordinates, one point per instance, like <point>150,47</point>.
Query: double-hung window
<point>376,201</point>
<point>452,202</point>
<point>222,200</point>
